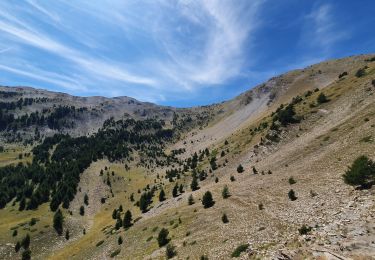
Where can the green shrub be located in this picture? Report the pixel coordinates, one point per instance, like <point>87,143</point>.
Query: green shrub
<point>322,98</point>
<point>361,172</point>
<point>343,74</point>
<point>292,195</point>
<point>163,237</point>
<point>304,230</point>
<point>225,193</point>
<point>170,251</point>
<point>224,218</point>
<point>291,181</point>
<point>99,243</point>
<point>361,72</point>
<point>115,253</point>
<point>241,248</point>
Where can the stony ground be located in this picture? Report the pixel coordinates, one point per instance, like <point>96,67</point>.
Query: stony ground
<point>315,152</point>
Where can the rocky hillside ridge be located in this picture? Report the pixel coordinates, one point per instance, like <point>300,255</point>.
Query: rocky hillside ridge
<point>297,132</point>
<point>93,111</point>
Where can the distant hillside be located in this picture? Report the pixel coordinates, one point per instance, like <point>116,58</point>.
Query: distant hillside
<point>282,171</point>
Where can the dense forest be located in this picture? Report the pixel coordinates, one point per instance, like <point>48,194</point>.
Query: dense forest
<point>54,176</point>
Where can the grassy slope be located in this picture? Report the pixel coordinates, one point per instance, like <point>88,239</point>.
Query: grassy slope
<point>315,152</point>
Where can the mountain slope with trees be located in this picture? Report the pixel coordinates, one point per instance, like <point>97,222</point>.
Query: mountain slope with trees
<point>285,170</point>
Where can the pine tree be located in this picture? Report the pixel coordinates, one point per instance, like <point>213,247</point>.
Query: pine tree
<point>207,200</point>
<point>175,191</point>
<point>86,199</point>
<point>291,181</point>
<point>127,219</point>
<point>255,170</point>
<point>26,255</point>
<point>216,180</point>
<point>181,188</point>
<point>170,252</point>
<point>67,235</point>
<point>224,218</point>
<point>191,199</point>
<point>26,241</point>
<point>58,220</point>
<point>118,223</point>
<point>361,172</point>
<point>143,202</point>
<point>225,193</point>
<point>163,237</point>
<point>82,210</point>
<point>17,246</point>
<point>322,98</point>
<point>213,163</point>
<point>161,195</point>
<point>240,168</point>
<point>114,214</point>
<point>194,184</point>
<point>119,240</point>
<point>292,195</point>
<point>22,204</point>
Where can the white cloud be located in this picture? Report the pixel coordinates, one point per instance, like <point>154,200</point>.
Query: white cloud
<point>323,30</point>
<point>58,80</point>
<point>92,66</point>
<point>197,43</point>
<point>219,54</point>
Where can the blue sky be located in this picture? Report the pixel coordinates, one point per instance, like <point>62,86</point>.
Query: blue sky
<point>179,53</point>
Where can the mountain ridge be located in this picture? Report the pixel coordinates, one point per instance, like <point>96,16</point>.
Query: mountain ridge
<point>280,150</point>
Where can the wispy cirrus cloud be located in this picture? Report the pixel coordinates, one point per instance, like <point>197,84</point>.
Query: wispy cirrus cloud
<point>201,45</point>
<point>322,29</point>
<point>221,34</point>
<point>166,51</point>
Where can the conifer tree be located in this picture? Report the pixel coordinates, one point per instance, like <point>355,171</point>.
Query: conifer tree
<point>163,237</point>
<point>191,199</point>
<point>322,98</point>
<point>175,190</point>
<point>161,195</point>
<point>361,172</point>
<point>127,219</point>
<point>207,200</point>
<point>86,199</point>
<point>114,214</point>
<point>82,210</point>
<point>67,235</point>
<point>26,255</point>
<point>224,218</point>
<point>118,223</point>
<point>240,168</point>
<point>17,246</point>
<point>292,195</point>
<point>181,188</point>
<point>58,220</point>
<point>26,241</point>
<point>194,184</point>
<point>170,251</point>
<point>225,193</point>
